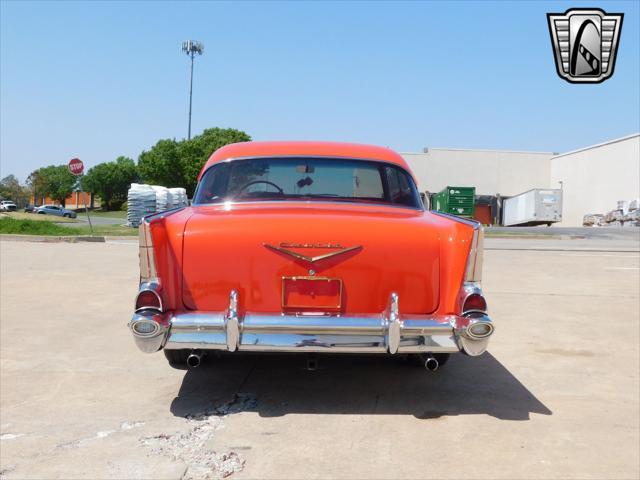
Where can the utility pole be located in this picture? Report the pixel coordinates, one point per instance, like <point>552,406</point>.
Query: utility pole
<point>191,47</point>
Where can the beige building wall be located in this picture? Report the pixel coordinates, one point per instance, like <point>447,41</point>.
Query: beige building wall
<point>490,171</point>
<point>595,178</point>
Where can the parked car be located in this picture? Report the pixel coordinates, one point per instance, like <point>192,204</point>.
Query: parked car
<point>8,206</point>
<point>309,247</point>
<point>28,208</point>
<point>55,210</point>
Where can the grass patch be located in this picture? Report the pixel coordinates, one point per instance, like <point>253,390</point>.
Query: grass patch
<point>34,227</point>
<point>37,217</point>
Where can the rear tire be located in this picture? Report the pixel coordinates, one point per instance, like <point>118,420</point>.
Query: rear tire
<point>177,358</point>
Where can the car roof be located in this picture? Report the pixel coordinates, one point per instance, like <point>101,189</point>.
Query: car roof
<point>304,149</point>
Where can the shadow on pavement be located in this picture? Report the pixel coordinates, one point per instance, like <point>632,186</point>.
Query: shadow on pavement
<point>279,384</point>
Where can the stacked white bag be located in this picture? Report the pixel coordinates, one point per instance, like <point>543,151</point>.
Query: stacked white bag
<point>178,197</point>
<point>141,201</point>
<point>162,198</point>
<point>147,199</point>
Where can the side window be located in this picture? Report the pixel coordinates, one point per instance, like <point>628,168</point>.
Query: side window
<point>406,196</point>
<point>392,183</point>
<point>400,187</point>
<point>213,186</point>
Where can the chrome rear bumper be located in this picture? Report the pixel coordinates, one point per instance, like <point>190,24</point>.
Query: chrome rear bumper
<point>389,332</point>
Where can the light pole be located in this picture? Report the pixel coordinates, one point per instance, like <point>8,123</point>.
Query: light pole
<point>191,47</point>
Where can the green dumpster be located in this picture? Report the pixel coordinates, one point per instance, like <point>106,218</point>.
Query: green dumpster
<point>456,201</point>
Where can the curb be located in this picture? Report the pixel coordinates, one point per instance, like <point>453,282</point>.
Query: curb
<point>50,238</point>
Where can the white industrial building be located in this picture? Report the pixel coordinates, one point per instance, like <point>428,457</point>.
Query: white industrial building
<point>593,179</point>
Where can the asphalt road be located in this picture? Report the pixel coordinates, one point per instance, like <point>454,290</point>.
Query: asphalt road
<point>557,395</point>
<point>621,233</point>
<point>83,222</point>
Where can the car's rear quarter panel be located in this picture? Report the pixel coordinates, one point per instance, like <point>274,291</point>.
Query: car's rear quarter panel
<point>167,233</point>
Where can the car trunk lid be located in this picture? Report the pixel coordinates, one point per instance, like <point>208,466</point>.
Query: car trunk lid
<point>371,251</point>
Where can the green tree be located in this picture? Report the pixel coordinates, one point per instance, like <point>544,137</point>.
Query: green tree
<point>174,163</point>
<point>37,185</point>
<point>57,181</point>
<point>161,165</point>
<point>10,189</point>
<point>196,152</point>
<point>111,181</point>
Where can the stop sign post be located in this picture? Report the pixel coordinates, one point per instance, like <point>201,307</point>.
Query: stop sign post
<point>77,168</point>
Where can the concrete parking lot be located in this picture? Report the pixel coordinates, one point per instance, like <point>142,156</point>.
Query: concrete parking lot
<point>557,395</point>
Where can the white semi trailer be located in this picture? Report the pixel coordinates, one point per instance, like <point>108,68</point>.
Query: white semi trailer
<point>534,207</point>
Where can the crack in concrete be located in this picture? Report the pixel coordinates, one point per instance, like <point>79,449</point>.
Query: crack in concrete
<point>124,426</point>
<point>191,448</point>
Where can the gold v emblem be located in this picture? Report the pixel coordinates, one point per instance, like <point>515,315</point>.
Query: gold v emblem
<point>307,258</point>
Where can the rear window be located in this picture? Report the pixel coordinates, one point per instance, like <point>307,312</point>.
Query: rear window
<point>272,179</point>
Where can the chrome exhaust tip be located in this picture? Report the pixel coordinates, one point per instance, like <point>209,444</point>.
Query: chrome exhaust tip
<point>431,363</point>
<point>194,359</point>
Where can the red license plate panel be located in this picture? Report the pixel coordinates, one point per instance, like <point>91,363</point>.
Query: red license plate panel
<point>311,293</point>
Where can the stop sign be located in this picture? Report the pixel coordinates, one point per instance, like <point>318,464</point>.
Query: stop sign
<point>76,166</point>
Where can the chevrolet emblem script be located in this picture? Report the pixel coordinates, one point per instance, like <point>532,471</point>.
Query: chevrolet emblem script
<point>585,43</point>
<point>284,248</point>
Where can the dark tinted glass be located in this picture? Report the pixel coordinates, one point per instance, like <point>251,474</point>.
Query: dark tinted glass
<point>307,179</point>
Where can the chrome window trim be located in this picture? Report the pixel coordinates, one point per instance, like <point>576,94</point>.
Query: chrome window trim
<point>419,208</point>
<point>306,202</point>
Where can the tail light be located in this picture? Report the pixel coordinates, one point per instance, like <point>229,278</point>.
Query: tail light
<point>148,299</point>
<point>474,303</point>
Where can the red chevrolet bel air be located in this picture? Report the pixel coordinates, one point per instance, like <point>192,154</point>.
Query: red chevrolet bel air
<point>309,247</point>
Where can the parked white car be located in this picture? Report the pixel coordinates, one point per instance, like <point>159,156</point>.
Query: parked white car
<point>8,206</point>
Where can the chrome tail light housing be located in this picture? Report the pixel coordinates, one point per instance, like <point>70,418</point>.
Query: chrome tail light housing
<point>148,270</point>
<point>149,297</point>
<point>473,272</point>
